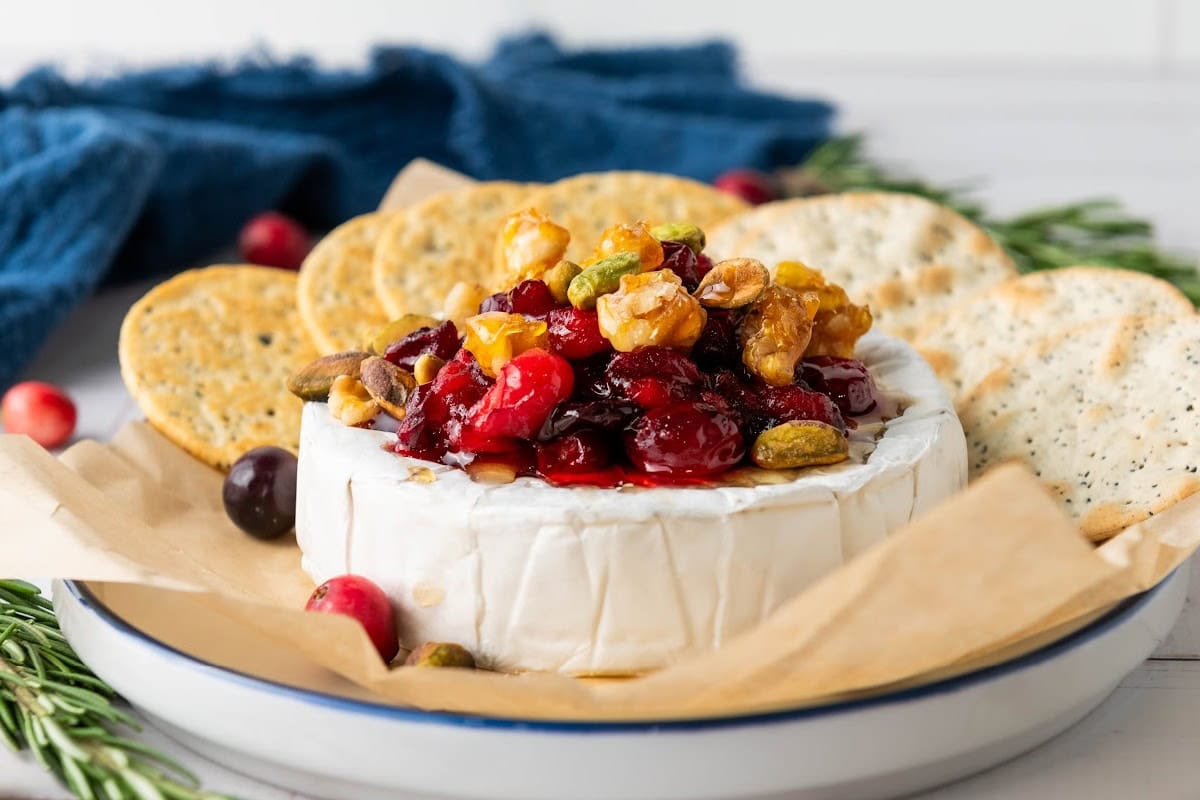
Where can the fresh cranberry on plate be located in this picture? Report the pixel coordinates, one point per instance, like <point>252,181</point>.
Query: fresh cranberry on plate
<point>360,599</point>
<point>41,411</point>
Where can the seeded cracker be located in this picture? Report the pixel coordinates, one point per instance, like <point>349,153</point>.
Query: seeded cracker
<point>429,247</point>
<point>1108,415</point>
<point>910,259</point>
<point>336,292</point>
<point>207,355</point>
<point>588,204</point>
<point>1013,316</point>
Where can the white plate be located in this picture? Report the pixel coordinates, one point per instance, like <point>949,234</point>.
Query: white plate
<point>323,745</point>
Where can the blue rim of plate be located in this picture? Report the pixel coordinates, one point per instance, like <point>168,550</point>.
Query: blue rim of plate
<point>1085,634</point>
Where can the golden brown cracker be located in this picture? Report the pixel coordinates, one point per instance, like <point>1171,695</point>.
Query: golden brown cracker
<point>207,355</point>
<point>336,291</point>
<point>429,247</point>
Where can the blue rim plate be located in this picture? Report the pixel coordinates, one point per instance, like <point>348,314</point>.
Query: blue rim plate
<point>81,593</point>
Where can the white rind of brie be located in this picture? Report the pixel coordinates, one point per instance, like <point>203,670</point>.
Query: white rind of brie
<point>591,581</point>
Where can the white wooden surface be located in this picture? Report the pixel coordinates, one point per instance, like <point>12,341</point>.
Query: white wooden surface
<point>1035,136</point>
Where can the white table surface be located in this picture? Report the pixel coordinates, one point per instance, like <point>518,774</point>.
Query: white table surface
<point>1036,138</point>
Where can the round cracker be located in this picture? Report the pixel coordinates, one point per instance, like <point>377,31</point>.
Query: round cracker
<point>207,355</point>
<point>336,292</point>
<point>1107,414</point>
<point>440,241</point>
<point>587,204</point>
<point>908,258</point>
<point>1010,317</point>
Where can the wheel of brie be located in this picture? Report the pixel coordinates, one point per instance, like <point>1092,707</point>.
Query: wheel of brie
<point>600,581</point>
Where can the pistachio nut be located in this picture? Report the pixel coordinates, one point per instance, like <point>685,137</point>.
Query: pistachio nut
<point>559,278</point>
<point>733,283</point>
<point>685,232</point>
<point>799,443</point>
<point>396,330</point>
<point>440,654</point>
<point>313,381</point>
<point>601,278</point>
<point>388,385</point>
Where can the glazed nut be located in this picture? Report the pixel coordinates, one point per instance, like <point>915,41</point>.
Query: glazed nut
<point>602,278</point>
<point>496,337</point>
<point>650,308</point>
<point>491,472</point>
<point>799,443</point>
<point>529,243</point>
<point>350,403</point>
<point>388,385</point>
<point>685,232</point>
<point>463,301</point>
<point>396,330</point>
<point>630,238</point>
<point>313,381</point>
<point>440,654</point>
<point>427,367</point>
<point>775,331</point>
<point>559,278</point>
<point>733,283</point>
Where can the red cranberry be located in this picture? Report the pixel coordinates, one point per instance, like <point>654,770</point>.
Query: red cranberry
<point>575,333</point>
<point>718,343</point>
<point>532,298</point>
<point>680,259</point>
<point>655,392</point>
<point>704,264</point>
<point>764,406</point>
<point>273,240</point>
<point>526,390</point>
<point>674,369</point>
<point>259,492</point>
<point>584,451</point>
<point>845,380</point>
<point>751,185</point>
<point>358,598</point>
<point>436,411</point>
<point>441,341</point>
<point>500,301</point>
<point>41,411</point>
<point>606,415</point>
<point>686,438</point>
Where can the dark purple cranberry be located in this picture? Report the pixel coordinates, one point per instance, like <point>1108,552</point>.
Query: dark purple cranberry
<point>575,333</point>
<point>680,259</point>
<point>718,346</point>
<point>531,298</point>
<point>845,380</point>
<point>583,451</point>
<point>442,341</point>
<point>500,301</point>
<point>761,406</point>
<point>688,438</point>
<point>611,416</point>
<point>591,377</point>
<point>704,264</point>
<point>678,373</point>
<point>260,492</point>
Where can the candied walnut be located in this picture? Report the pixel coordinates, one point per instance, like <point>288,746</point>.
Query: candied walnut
<point>630,238</point>
<point>775,332</point>
<point>350,403</point>
<point>650,308</point>
<point>463,301</point>
<point>529,244</point>
<point>799,443</point>
<point>839,323</point>
<point>733,283</point>
<point>495,338</point>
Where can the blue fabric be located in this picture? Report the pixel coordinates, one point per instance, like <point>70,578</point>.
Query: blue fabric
<point>121,178</point>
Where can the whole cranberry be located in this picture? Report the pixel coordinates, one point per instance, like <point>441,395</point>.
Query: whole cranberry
<point>436,411</point>
<point>274,240</point>
<point>527,389</point>
<point>751,185</point>
<point>677,373</point>
<point>358,598</point>
<point>500,301</point>
<point>259,492</point>
<point>591,377</point>
<point>761,406</point>
<point>583,451</point>
<point>680,259</point>
<point>531,298</point>
<point>441,341</point>
<point>687,438</point>
<point>575,333</point>
<point>41,411</point>
<point>845,380</point>
<point>609,415</point>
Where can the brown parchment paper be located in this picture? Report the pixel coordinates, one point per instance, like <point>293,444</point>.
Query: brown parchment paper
<point>992,573</point>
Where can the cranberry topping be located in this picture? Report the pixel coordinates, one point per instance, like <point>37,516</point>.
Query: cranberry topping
<point>678,375</point>
<point>575,333</point>
<point>718,345</point>
<point>531,298</point>
<point>680,259</point>
<point>845,380</point>
<point>762,406</point>
<point>500,301</point>
<point>611,416</point>
<point>441,341</point>
<point>526,391</point>
<point>583,451</point>
<point>435,412</point>
<point>704,264</point>
<point>686,438</point>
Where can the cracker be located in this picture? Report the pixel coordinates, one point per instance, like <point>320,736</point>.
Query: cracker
<point>970,341</point>
<point>908,258</point>
<point>336,292</point>
<point>207,355</point>
<point>1107,414</point>
<point>587,204</point>
<point>429,247</point>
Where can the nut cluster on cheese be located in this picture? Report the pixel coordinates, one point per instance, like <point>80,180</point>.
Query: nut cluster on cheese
<point>648,364</point>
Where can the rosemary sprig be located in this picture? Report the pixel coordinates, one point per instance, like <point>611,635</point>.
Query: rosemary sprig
<point>52,705</point>
<point>1097,232</point>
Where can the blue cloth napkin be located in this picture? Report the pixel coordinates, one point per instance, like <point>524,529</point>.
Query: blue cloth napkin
<point>117,179</point>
